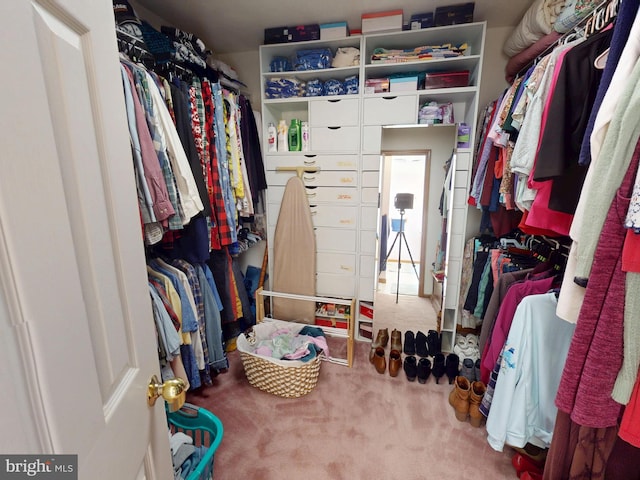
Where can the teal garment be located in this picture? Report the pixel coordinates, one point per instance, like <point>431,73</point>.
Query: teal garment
<point>482,288</point>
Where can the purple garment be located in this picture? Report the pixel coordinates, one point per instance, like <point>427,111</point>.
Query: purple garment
<point>505,316</point>
<point>624,21</point>
<point>596,351</point>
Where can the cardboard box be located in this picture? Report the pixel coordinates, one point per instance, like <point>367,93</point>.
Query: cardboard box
<point>454,14</point>
<point>446,80</point>
<point>421,20</point>
<point>390,21</point>
<point>403,84</point>
<point>376,85</point>
<point>331,31</point>
<point>366,330</point>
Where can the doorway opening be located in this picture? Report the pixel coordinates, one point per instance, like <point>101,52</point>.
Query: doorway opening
<point>404,195</point>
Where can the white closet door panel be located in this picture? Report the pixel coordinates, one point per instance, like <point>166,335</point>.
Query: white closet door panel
<point>335,239</point>
<point>459,221</point>
<point>367,266</point>
<point>370,179</point>
<point>372,139</point>
<point>324,162</point>
<point>321,178</point>
<point>368,242</point>
<point>371,163</point>
<point>369,195</point>
<point>332,285</point>
<point>339,112</point>
<point>460,179</point>
<point>368,217</point>
<point>463,161</point>
<point>390,110</point>
<point>337,263</point>
<point>460,197</point>
<point>335,139</point>
<point>367,289</point>
<point>453,284</point>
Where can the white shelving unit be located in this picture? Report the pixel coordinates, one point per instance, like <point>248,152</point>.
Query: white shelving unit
<point>346,134</point>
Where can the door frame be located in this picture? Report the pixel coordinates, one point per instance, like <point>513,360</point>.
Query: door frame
<point>426,153</point>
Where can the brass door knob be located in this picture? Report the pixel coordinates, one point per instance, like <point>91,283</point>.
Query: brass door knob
<point>174,391</point>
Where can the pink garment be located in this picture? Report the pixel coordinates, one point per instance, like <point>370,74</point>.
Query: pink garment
<point>631,252</point>
<point>630,426</point>
<point>512,299</point>
<point>585,390</point>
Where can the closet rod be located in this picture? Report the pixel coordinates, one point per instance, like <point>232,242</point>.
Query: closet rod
<point>585,27</point>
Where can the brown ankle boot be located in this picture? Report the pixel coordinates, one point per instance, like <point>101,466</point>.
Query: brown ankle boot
<point>459,398</point>
<point>475,399</point>
<point>381,341</point>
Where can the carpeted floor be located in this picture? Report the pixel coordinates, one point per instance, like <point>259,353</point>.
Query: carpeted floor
<point>356,424</point>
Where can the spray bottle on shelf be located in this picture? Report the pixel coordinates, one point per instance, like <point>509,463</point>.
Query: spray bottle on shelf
<point>294,136</point>
<point>304,129</point>
<point>283,141</point>
<point>272,136</point>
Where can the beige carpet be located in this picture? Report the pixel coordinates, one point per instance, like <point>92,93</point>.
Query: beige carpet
<point>356,424</point>
<point>410,313</point>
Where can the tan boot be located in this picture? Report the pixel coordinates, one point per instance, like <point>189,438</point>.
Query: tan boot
<point>476,418</point>
<point>459,398</point>
<point>381,341</point>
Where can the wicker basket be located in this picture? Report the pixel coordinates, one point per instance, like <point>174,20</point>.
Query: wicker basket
<point>284,378</point>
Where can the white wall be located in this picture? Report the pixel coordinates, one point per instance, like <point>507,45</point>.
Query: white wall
<point>441,141</point>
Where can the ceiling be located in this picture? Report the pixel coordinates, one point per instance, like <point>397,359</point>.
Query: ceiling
<point>229,26</point>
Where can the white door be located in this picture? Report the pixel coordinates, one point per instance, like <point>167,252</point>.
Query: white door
<point>77,343</point>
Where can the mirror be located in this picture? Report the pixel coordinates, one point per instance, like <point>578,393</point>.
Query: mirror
<point>413,161</point>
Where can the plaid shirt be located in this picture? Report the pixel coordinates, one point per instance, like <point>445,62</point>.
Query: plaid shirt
<point>220,230</point>
<point>192,278</point>
<point>159,143</point>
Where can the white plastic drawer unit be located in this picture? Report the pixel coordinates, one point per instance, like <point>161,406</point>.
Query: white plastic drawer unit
<point>333,285</point>
<point>390,110</point>
<point>322,178</point>
<point>322,215</point>
<point>334,112</point>
<point>324,162</point>
<point>337,263</point>
<point>335,139</point>
<point>335,239</point>
<point>341,195</point>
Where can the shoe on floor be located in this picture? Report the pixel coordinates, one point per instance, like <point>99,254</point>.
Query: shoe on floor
<point>476,370</point>
<point>434,342</point>
<point>410,367</point>
<point>438,368</point>
<point>421,344</point>
<point>395,362</point>
<point>476,418</point>
<point>379,361</point>
<point>396,340</point>
<point>409,343</point>
<point>452,367</point>
<point>424,370</point>
<point>381,341</point>
<point>468,370</point>
<point>459,398</point>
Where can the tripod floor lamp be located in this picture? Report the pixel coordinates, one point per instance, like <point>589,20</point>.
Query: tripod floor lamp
<point>402,202</point>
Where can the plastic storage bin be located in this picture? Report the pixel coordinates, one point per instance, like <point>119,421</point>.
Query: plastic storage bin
<point>205,429</point>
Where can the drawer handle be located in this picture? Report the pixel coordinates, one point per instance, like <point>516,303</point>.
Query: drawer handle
<point>333,128</point>
<point>334,100</point>
<point>311,195</point>
<point>307,178</point>
<point>313,212</point>
<point>309,162</point>
<point>310,156</point>
<point>345,267</point>
<point>389,98</point>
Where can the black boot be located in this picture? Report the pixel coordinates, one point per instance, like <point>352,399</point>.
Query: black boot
<point>421,344</point>
<point>438,369</point>
<point>409,343</point>
<point>452,367</point>
<point>410,368</point>
<point>424,370</point>
<point>434,342</point>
